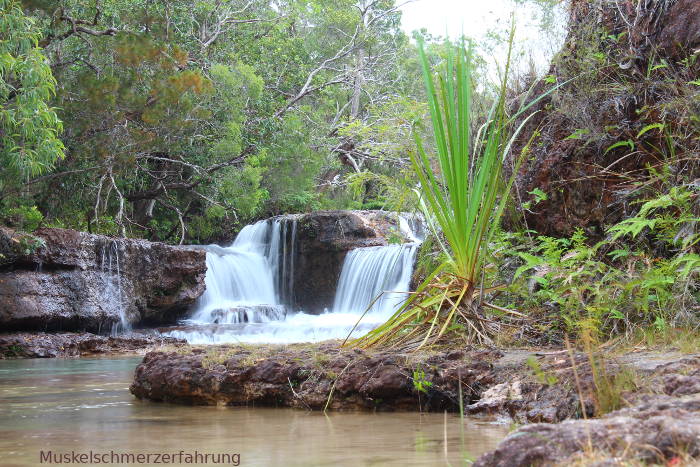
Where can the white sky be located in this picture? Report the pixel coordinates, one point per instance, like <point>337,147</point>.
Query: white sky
<point>476,17</point>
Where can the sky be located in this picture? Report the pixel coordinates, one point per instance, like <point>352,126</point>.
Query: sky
<point>477,17</point>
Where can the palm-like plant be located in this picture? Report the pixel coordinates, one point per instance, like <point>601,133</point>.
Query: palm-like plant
<point>464,202</point>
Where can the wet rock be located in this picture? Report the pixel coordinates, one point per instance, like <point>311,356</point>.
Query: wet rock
<point>313,377</point>
<point>60,279</point>
<point>323,240</point>
<point>495,398</point>
<point>47,345</point>
<point>656,431</point>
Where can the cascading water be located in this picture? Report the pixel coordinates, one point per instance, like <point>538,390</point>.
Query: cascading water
<point>250,282</point>
<point>246,282</point>
<point>111,272</point>
<point>373,278</point>
<point>281,257</point>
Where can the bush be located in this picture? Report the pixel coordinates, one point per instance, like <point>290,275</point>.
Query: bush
<point>27,218</point>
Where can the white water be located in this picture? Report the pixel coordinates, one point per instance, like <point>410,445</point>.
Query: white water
<point>252,271</point>
<point>249,283</point>
<point>371,278</point>
<point>112,274</point>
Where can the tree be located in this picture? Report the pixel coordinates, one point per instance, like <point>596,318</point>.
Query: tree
<point>29,127</point>
<point>184,120</point>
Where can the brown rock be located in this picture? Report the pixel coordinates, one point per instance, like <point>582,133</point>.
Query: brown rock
<point>305,376</point>
<point>655,431</point>
<point>45,345</point>
<point>69,280</point>
<point>589,183</point>
<point>323,240</point>
<point>680,31</point>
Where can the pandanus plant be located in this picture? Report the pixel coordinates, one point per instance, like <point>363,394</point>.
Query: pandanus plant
<point>462,204</point>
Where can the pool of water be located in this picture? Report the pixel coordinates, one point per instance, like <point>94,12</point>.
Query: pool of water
<point>82,405</point>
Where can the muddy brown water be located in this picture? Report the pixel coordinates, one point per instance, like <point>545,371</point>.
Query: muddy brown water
<point>75,406</point>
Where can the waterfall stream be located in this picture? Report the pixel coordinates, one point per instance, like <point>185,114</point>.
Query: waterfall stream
<point>249,289</point>
<point>111,271</point>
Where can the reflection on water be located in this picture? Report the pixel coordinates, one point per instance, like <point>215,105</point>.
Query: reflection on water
<point>82,405</point>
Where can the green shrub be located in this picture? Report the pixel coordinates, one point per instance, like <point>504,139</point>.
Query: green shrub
<point>26,218</point>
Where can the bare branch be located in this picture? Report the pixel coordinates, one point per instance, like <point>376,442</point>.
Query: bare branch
<point>307,88</point>
<point>78,25</point>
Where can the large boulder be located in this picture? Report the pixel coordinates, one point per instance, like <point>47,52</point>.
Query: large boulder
<point>660,431</point>
<point>60,279</point>
<point>314,377</point>
<point>323,239</point>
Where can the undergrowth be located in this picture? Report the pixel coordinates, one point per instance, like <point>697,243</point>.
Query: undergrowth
<point>644,274</point>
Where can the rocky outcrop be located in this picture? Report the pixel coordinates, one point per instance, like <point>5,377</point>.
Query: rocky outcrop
<point>679,32</point>
<point>492,383</point>
<point>655,431</point>
<point>323,240</point>
<point>61,279</point>
<point>588,151</point>
<point>513,384</point>
<point>70,344</point>
<point>314,377</point>
<point>661,422</point>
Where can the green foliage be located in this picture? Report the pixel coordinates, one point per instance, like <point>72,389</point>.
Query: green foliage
<point>173,110</point>
<point>205,227</point>
<point>292,166</point>
<point>392,192</point>
<point>26,218</point>
<point>464,202</point>
<point>420,383</point>
<point>28,245</point>
<point>670,217</point>
<point>29,127</point>
<point>613,287</point>
<point>542,376</point>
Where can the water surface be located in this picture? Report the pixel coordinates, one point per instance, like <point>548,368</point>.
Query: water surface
<point>84,404</point>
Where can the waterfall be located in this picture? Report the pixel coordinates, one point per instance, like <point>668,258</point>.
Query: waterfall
<point>257,269</point>
<point>250,288</point>
<point>111,272</point>
<point>373,276</point>
<point>281,257</point>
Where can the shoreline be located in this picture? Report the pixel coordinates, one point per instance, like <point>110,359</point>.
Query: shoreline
<point>558,397</point>
<point>553,396</point>
<point>24,345</point>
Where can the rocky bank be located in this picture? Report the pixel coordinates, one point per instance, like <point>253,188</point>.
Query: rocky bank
<point>571,139</point>
<point>64,280</point>
<point>71,344</point>
<point>521,386</point>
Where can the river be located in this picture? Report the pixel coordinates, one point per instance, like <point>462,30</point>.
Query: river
<point>82,405</point>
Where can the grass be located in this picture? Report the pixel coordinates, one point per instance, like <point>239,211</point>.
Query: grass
<point>683,340</point>
<point>610,382</point>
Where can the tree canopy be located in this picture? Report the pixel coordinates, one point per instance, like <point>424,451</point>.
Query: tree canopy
<point>29,126</point>
<point>184,120</point>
